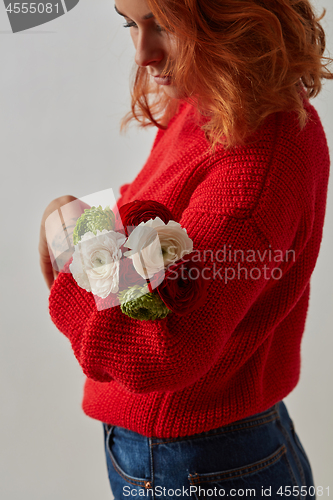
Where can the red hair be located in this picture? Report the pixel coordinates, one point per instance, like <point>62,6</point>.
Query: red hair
<point>240,61</point>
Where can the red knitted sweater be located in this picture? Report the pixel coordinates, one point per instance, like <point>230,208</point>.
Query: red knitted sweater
<point>240,352</point>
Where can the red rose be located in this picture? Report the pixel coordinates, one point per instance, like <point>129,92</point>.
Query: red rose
<point>131,214</point>
<point>127,274</point>
<point>184,287</point>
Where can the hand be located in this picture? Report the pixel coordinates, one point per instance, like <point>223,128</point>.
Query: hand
<point>56,230</point>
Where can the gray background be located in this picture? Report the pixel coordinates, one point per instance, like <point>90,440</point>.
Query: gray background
<point>64,88</point>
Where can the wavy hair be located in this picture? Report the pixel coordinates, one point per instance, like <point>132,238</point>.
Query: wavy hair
<point>237,62</point>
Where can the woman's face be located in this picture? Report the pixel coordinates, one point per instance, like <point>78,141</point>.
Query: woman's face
<point>152,43</point>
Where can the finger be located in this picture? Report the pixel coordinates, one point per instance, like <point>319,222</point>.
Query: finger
<point>45,261</point>
<point>48,274</point>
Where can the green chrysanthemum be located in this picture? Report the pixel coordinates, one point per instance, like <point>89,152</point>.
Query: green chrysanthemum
<point>138,303</point>
<point>93,219</point>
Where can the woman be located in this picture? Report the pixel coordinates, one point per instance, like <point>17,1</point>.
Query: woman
<point>191,404</point>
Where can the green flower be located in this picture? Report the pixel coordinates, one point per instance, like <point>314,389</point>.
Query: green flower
<point>93,219</point>
<point>138,303</point>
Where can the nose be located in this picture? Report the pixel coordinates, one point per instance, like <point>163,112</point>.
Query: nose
<point>147,50</point>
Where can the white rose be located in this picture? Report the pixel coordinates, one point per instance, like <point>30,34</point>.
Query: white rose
<point>95,265</point>
<point>154,245</point>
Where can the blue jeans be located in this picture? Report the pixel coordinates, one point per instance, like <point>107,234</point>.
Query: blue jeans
<point>259,456</point>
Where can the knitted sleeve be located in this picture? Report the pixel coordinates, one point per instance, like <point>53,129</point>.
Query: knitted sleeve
<point>172,353</point>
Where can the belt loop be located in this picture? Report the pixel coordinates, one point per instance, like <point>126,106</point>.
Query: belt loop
<point>107,426</point>
<point>277,408</point>
<point>109,429</point>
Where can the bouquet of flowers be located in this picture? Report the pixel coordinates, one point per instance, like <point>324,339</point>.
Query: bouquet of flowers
<point>159,273</point>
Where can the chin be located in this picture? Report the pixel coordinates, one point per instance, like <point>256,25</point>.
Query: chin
<point>171,91</point>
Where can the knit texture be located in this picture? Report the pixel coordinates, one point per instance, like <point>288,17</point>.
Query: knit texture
<point>240,352</point>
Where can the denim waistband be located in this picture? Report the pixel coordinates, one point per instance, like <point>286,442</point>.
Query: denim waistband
<point>268,415</point>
